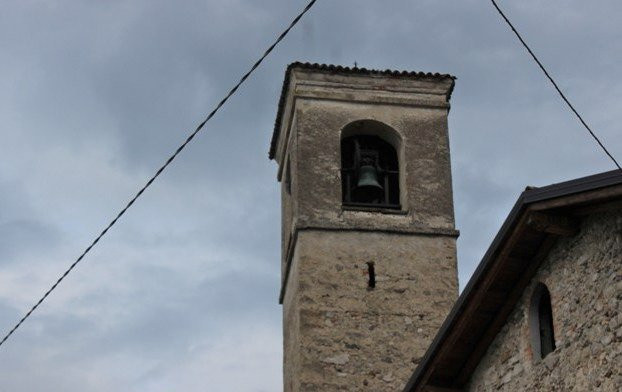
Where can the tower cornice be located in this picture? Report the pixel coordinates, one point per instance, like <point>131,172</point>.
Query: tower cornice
<point>321,77</point>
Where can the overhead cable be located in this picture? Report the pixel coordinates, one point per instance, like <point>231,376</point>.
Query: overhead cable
<point>494,3</point>
<point>161,169</point>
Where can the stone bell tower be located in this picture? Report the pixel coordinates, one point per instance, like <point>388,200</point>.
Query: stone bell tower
<point>368,238</point>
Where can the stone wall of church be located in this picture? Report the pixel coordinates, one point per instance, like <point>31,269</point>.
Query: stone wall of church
<point>584,276</point>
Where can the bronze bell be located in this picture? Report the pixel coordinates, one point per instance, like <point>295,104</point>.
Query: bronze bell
<point>368,189</point>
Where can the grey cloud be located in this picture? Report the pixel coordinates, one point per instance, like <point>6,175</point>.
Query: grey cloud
<point>30,236</point>
<point>182,294</point>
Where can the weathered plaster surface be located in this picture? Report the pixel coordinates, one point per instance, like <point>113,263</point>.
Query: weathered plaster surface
<point>584,277</point>
<point>427,193</point>
<point>341,335</point>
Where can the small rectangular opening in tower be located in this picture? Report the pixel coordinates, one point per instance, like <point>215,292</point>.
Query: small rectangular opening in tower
<point>371,272</point>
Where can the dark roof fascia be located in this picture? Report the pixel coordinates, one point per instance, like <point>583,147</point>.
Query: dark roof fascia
<point>567,188</point>
<point>529,196</point>
<point>338,69</point>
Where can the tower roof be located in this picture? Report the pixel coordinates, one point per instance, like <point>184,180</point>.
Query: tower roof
<point>338,69</point>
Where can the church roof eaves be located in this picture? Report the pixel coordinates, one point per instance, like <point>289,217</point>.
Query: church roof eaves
<point>338,69</point>
<point>437,369</point>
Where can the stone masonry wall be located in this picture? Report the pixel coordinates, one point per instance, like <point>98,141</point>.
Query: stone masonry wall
<point>342,335</point>
<point>584,277</point>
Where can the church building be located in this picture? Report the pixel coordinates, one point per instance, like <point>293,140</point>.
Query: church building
<point>369,282</point>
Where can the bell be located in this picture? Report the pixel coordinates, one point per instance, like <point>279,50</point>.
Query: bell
<point>368,189</point>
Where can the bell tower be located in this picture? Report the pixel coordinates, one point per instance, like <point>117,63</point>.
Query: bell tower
<point>368,237</point>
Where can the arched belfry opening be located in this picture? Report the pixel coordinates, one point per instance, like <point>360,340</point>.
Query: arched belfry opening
<point>370,170</point>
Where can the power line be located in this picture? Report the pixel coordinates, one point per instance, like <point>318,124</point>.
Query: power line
<point>161,169</point>
<point>555,84</point>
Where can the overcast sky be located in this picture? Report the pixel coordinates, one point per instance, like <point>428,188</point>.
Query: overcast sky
<point>182,294</point>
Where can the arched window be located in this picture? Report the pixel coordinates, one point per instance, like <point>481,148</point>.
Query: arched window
<point>369,172</point>
<point>541,322</point>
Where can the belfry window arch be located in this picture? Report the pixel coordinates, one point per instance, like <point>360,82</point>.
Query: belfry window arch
<point>370,170</point>
<point>541,322</point>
